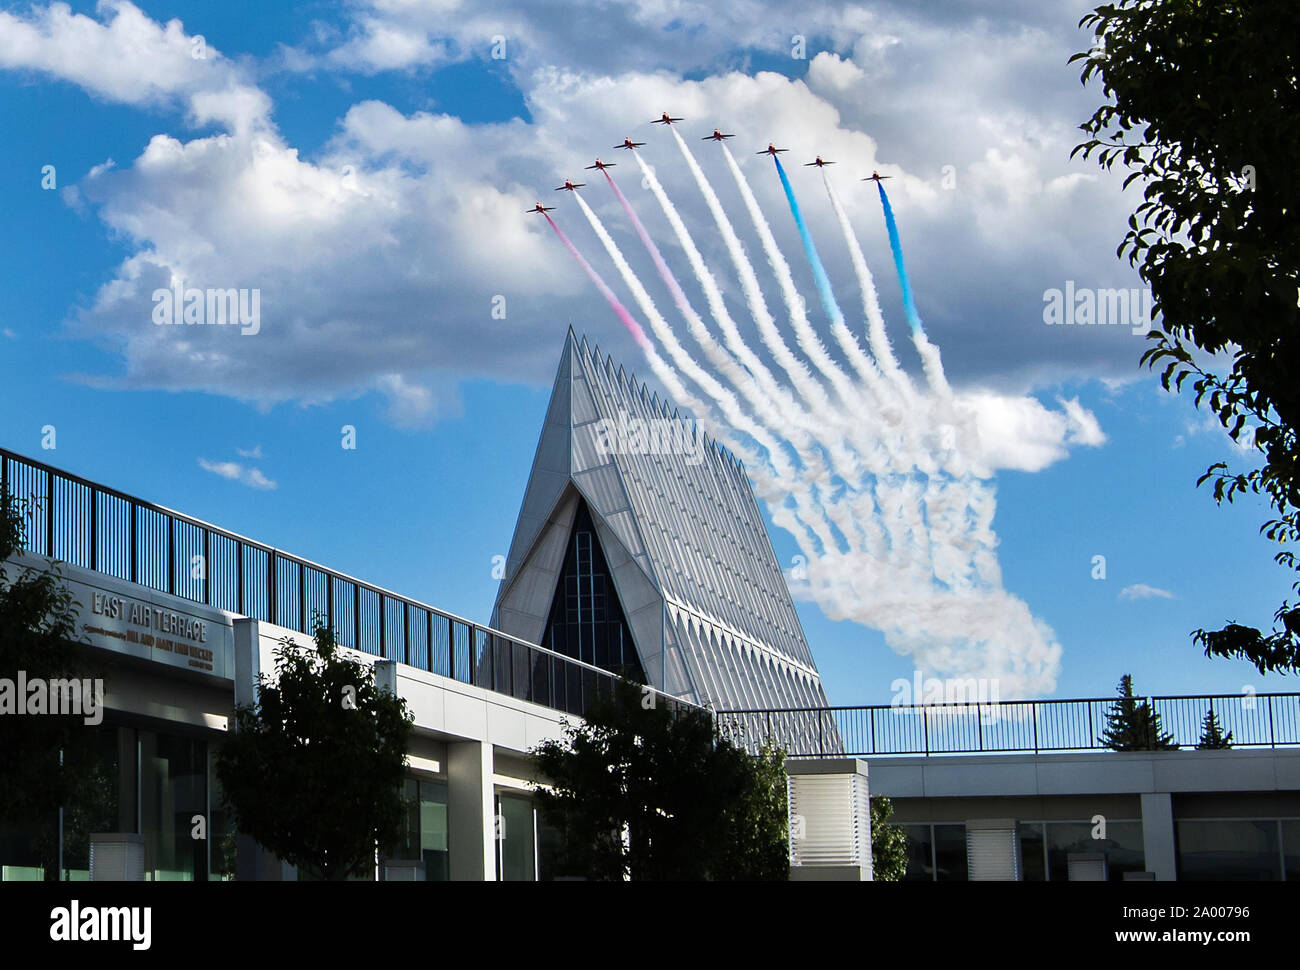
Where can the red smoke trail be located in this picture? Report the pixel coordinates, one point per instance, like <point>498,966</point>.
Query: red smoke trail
<point>633,327</point>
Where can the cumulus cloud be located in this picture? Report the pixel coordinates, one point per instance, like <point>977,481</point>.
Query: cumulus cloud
<point>129,58</point>
<point>1141,591</point>
<point>236,472</point>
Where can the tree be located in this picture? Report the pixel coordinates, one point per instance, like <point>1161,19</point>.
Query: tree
<point>1201,105</point>
<point>1132,725</point>
<point>888,843</point>
<point>638,791</point>
<point>1212,736</point>
<point>314,769</point>
<point>46,761</point>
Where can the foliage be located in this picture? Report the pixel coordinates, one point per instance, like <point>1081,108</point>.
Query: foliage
<point>888,843</point>
<point>1212,736</point>
<point>314,769</point>
<point>641,792</point>
<point>46,761</point>
<point>1203,106</point>
<point>1133,725</point>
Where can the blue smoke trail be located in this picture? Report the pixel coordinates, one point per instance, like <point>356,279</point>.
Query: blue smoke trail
<point>909,305</point>
<point>819,272</point>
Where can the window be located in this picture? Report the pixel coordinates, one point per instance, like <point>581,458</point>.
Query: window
<point>1229,849</point>
<point>516,839</point>
<point>936,852</point>
<point>424,828</point>
<point>586,620</point>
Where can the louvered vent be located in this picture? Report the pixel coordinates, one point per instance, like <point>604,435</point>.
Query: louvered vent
<point>830,820</point>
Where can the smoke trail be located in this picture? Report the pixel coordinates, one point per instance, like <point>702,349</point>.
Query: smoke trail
<point>663,331</point>
<point>862,364</point>
<point>876,333</point>
<point>633,327</point>
<point>909,304</point>
<point>892,538</point>
<point>693,322</point>
<point>799,374</point>
<point>809,512</point>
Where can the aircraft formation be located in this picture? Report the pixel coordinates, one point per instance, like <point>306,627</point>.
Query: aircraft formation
<point>718,136</point>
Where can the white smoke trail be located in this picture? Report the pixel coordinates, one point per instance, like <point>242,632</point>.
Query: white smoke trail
<point>804,333</point>
<point>896,523</point>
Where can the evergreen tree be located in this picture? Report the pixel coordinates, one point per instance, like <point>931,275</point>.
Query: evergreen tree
<point>1212,736</point>
<point>1133,725</point>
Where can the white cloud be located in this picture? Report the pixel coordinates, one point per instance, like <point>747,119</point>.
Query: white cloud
<point>9,333</point>
<point>254,452</point>
<point>1141,591</point>
<point>1020,433</point>
<point>235,472</point>
<point>129,58</point>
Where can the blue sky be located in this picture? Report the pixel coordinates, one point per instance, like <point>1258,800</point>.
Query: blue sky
<point>366,167</point>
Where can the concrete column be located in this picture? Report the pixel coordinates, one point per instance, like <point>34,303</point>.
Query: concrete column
<point>471,812</point>
<point>1158,835</point>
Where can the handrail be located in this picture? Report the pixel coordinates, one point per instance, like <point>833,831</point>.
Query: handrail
<point>1255,720</point>
<point>484,645</point>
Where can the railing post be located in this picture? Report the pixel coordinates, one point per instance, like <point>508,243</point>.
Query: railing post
<point>406,631</point>
<point>94,528</point>
<point>1033,708</point>
<point>207,567</point>
<point>1271,740</point>
<point>925,728</point>
<point>428,640</point>
<point>356,616</point>
<point>1092,734</point>
<point>821,747</point>
<point>49,514</point>
<point>171,555</point>
<point>240,606</point>
<point>132,543</point>
<point>302,599</point>
<point>272,599</point>
<point>329,600</point>
<point>383,627</point>
<point>979,725</point>
<point>872,722</point>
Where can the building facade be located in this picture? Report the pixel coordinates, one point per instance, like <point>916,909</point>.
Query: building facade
<point>640,547</point>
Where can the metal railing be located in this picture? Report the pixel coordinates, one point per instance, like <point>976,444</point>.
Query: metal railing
<point>80,522</point>
<point>1254,720</point>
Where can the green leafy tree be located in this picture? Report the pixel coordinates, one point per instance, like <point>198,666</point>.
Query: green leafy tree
<point>888,843</point>
<point>1133,725</point>
<point>1201,106</point>
<point>640,792</point>
<point>314,769</point>
<point>46,761</point>
<point>1212,736</point>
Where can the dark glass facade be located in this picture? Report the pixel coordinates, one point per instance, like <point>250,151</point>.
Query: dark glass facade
<point>586,620</point>
<point>935,852</point>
